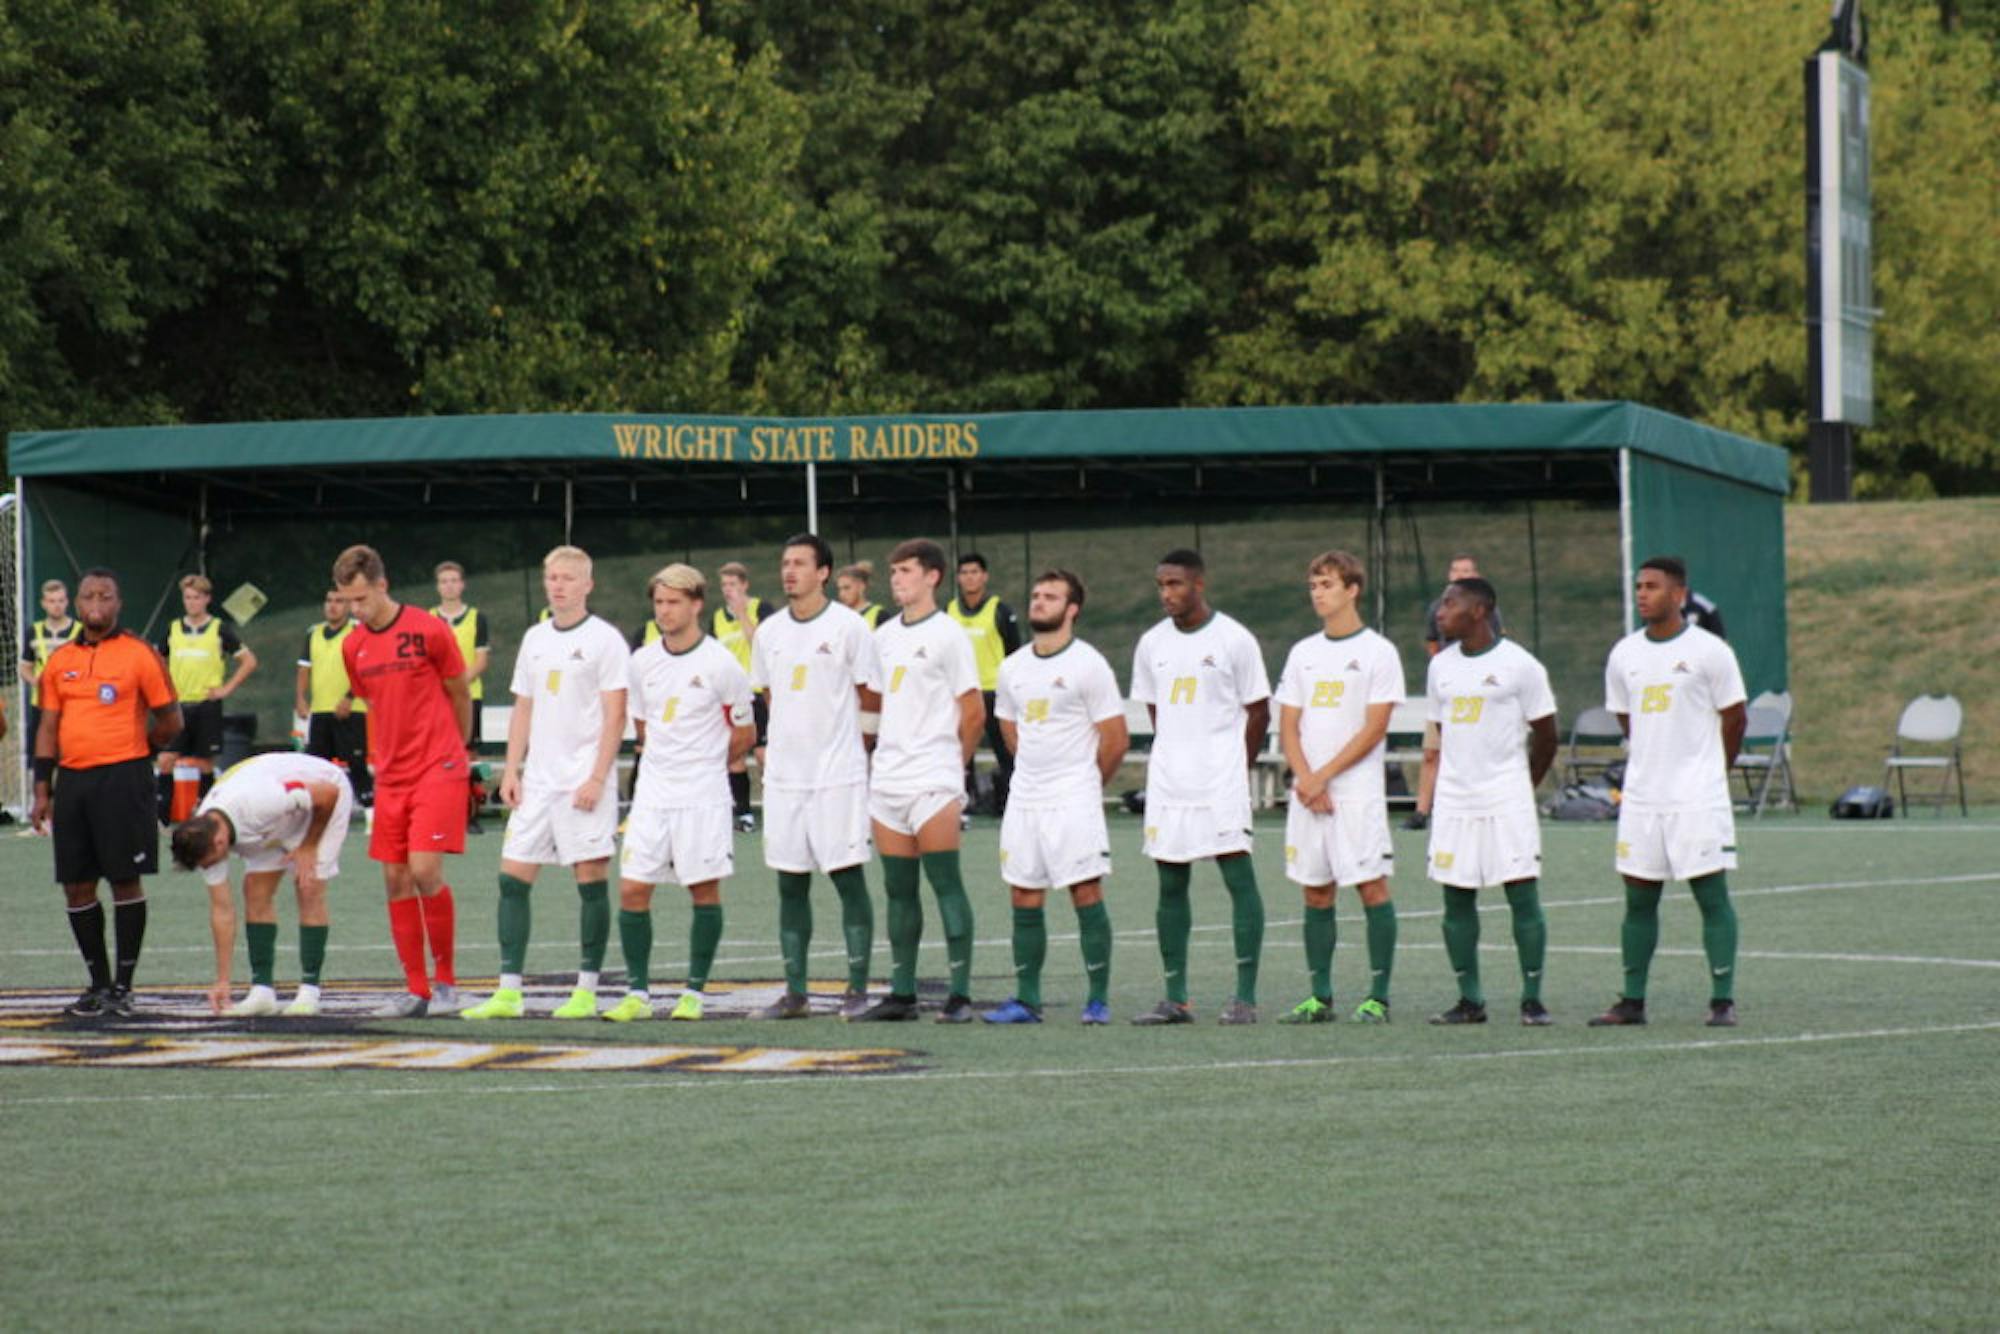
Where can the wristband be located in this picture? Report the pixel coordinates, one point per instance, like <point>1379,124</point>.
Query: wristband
<point>45,768</point>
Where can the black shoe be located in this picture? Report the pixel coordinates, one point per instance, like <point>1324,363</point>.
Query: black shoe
<point>957,1010</point>
<point>475,828</point>
<point>1417,820</point>
<point>891,1009</point>
<point>1722,1014</point>
<point>1534,1014</point>
<point>1465,1012</point>
<point>1624,1011</point>
<point>119,1003</point>
<point>92,1004</point>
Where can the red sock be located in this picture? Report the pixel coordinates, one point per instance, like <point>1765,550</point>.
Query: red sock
<point>406,928</point>
<point>441,925</point>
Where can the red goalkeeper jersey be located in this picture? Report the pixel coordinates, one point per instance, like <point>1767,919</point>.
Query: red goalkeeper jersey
<point>400,670</point>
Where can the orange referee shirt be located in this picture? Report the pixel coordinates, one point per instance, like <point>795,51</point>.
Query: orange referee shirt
<point>104,692</point>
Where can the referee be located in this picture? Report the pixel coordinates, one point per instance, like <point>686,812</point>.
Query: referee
<point>106,706</point>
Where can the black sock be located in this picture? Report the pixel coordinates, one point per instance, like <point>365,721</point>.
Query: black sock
<point>207,782</point>
<point>164,785</point>
<point>128,923</point>
<point>739,792</point>
<point>87,925</point>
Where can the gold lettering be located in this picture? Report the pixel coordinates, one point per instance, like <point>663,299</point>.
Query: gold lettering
<point>627,436</point>
<point>824,436</point>
<point>653,436</point>
<point>857,443</point>
<point>760,438</point>
<point>971,449</point>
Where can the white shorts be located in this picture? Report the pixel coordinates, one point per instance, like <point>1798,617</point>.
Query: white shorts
<point>1349,847</point>
<point>906,815</point>
<point>685,845</point>
<point>1676,844</point>
<point>272,858</point>
<point>1189,833</point>
<point>1054,847</point>
<point>546,830</point>
<point>816,829</point>
<point>1472,851</point>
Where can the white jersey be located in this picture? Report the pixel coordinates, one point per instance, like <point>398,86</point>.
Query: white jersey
<point>925,668</point>
<point>689,702</point>
<point>1331,682</point>
<point>811,668</point>
<point>1055,704</point>
<point>565,674</point>
<point>1199,683</point>
<point>267,803</point>
<point>1482,704</point>
<point>1672,690</point>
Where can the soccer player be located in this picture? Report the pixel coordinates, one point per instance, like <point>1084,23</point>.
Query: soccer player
<point>932,716</point>
<point>336,722</point>
<point>816,659</point>
<point>1678,694</point>
<point>468,625</point>
<point>690,702</point>
<point>995,632</point>
<point>56,628</point>
<point>1201,677</point>
<point>275,812</point>
<point>1462,566</point>
<point>405,663</point>
<point>852,585</point>
<point>734,626</point>
<point>562,744</point>
<point>1496,719</point>
<point>1335,696</point>
<point>106,704</point>
<point>197,647</point>
<point>1061,715</point>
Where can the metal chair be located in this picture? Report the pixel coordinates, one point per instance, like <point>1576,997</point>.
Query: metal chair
<point>1765,758</point>
<point>1930,721</point>
<point>1595,744</point>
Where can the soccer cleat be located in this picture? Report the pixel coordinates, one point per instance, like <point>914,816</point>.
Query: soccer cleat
<point>957,1010</point>
<point>1015,1011</point>
<point>1096,1013</point>
<point>1166,1012</point>
<point>1465,1012</point>
<point>409,1005</point>
<point>506,1003</point>
<point>580,1005</point>
<point>746,823</point>
<point>1238,1011</point>
<point>1534,1014</point>
<point>1722,1014</point>
<point>1624,1011</point>
<point>891,1009</point>
<point>1311,1010</point>
<point>688,1007</point>
<point>1417,820</point>
<point>791,1005</point>
<point>1372,1011</point>
<point>634,1006</point>
<point>445,1000</point>
<point>261,1001</point>
<point>302,1007</point>
<point>119,1004</point>
<point>853,1004</point>
<point>92,1004</point>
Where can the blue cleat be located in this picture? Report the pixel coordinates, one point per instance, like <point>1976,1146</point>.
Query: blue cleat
<point>1013,1012</point>
<point>1097,1012</point>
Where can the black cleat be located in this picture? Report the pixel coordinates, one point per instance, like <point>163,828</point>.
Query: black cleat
<point>1722,1014</point>
<point>891,1009</point>
<point>957,1010</point>
<point>1624,1011</point>
<point>118,1004</point>
<point>92,1004</point>
<point>1534,1014</point>
<point>1166,1012</point>
<point>1465,1012</point>
<point>1417,820</point>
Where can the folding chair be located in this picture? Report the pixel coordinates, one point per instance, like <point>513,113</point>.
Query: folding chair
<point>1765,758</point>
<point>1595,744</point>
<point>1932,721</point>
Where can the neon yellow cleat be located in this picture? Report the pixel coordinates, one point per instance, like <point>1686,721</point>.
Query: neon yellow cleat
<point>688,1006</point>
<point>580,1005</point>
<point>505,1003</point>
<point>634,1006</point>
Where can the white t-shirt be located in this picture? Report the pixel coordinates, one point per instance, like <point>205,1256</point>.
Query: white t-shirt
<point>1672,691</point>
<point>1482,704</point>
<point>565,675</point>
<point>689,702</point>
<point>1199,683</point>
<point>925,668</point>
<point>1331,682</point>
<point>811,669</point>
<point>1055,704</point>
<point>267,803</point>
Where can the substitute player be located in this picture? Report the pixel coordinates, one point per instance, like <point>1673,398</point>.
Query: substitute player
<point>405,663</point>
<point>690,702</point>
<point>275,812</point>
<point>198,647</point>
<point>817,661</point>
<point>562,744</point>
<point>1335,695</point>
<point>734,626</point>
<point>106,704</point>
<point>336,722</point>
<point>852,586</point>
<point>995,632</point>
<point>1496,720</point>
<point>1201,677</point>
<point>1678,694</point>
<point>468,625</point>
<point>1062,717</point>
<point>932,716</point>
<point>55,628</point>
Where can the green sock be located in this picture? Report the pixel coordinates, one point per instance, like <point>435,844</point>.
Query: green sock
<point>1381,948</point>
<point>1461,940</point>
<point>857,923</point>
<point>795,925</point>
<point>261,939</point>
<point>1093,924</point>
<point>1031,949</point>
<point>902,883</point>
<point>1718,933</point>
<point>312,953</point>
<point>1173,920</point>
<point>1531,935</point>
<point>516,919</point>
<point>1246,920</point>
<point>704,934</point>
<point>1320,934</point>
<point>1639,936</point>
<point>635,938</point>
<point>955,911</point>
<point>593,923</point>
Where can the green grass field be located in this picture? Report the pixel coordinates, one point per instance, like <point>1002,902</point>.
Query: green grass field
<point>1830,1164</point>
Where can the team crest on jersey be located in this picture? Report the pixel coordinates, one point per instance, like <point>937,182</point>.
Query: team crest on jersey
<point>1493,681</point>
<point>923,653</point>
<point>694,683</point>
<point>1058,684</point>
<point>576,655</point>
<point>1353,665</point>
<point>825,648</point>
<point>1682,668</point>
<point>107,693</point>
<point>1208,660</point>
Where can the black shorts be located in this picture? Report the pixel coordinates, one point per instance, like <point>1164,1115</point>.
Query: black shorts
<point>332,737</point>
<point>760,710</point>
<point>200,737</point>
<point>106,823</point>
